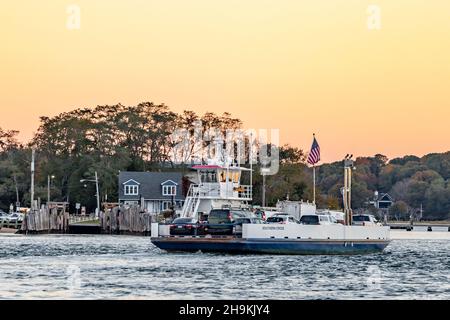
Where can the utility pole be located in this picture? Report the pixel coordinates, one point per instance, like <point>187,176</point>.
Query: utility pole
<point>33,153</point>
<point>97,210</point>
<point>250,159</point>
<point>17,192</point>
<point>98,195</point>
<point>49,177</point>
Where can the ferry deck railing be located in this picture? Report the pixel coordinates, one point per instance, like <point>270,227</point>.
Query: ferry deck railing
<point>212,190</point>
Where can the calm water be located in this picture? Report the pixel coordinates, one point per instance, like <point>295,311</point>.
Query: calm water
<point>121,267</point>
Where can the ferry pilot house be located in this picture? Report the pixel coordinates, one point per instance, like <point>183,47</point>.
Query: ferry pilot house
<point>223,182</point>
<point>158,191</point>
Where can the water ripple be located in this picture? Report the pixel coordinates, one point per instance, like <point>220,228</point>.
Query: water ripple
<point>126,267</point>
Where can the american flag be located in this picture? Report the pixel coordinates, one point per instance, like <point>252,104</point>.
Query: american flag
<point>314,154</point>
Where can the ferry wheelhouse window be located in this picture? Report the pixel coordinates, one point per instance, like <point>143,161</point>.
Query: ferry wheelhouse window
<point>222,176</point>
<point>230,176</point>
<point>131,190</point>
<point>208,176</point>
<point>169,190</point>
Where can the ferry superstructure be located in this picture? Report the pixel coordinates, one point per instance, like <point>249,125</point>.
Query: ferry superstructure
<point>219,186</point>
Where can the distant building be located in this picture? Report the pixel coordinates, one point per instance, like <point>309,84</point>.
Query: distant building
<point>158,191</point>
<point>382,201</point>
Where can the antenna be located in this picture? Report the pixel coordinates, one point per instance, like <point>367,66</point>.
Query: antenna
<point>33,154</point>
<point>251,160</point>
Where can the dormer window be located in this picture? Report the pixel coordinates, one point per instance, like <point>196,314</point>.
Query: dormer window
<point>169,188</point>
<point>131,188</point>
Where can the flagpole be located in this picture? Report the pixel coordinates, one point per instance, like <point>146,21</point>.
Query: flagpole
<point>313,158</point>
<point>314,176</point>
<point>314,184</point>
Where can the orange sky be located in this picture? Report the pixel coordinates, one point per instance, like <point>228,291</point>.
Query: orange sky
<point>300,66</point>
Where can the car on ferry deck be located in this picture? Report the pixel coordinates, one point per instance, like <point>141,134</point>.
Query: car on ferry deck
<point>265,213</point>
<point>260,214</point>
<point>240,221</point>
<point>365,220</point>
<point>282,218</point>
<point>327,219</point>
<point>317,219</point>
<point>221,221</point>
<point>186,227</point>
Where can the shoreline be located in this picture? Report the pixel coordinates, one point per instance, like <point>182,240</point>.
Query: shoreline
<point>419,235</point>
<point>394,234</point>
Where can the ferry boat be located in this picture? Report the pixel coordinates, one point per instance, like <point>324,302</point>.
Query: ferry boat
<point>219,187</point>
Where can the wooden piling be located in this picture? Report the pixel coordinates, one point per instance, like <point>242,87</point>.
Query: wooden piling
<point>126,220</point>
<point>117,220</point>
<point>45,219</point>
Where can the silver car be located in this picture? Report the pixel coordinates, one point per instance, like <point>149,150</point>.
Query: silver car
<point>365,220</point>
<point>3,216</point>
<point>14,217</point>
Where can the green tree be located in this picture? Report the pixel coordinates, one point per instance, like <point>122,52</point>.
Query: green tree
<point>399,210</point>
<point>290,155</point>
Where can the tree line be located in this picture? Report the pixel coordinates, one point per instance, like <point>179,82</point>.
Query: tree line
<point>414,183</point>
<point>108,139</point>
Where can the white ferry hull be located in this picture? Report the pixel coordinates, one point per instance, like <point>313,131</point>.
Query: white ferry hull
<point>281,239</point>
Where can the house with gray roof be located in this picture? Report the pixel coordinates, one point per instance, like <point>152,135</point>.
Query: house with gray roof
<point>159,191</point>
<point>382,201</point>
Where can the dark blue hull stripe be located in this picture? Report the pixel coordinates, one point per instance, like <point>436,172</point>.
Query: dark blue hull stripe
<point>271,246</point>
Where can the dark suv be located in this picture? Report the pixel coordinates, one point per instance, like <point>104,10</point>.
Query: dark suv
<point>310,219</point>
<point>221,221</point>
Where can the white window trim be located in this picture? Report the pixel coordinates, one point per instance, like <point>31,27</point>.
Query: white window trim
<point>169,190</point>
<point>131,190</point>
<point>169,181</point>
<point>131,180</point>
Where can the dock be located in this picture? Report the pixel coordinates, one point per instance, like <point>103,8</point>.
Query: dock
<point>428,226</point>
<point>419,235</point>
<point>85,228</point>
<point>118,220</point>
<point>131,220</point>
<point>419,231</point>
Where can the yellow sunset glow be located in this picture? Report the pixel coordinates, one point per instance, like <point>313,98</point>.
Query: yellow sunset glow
<point>300,66</point>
